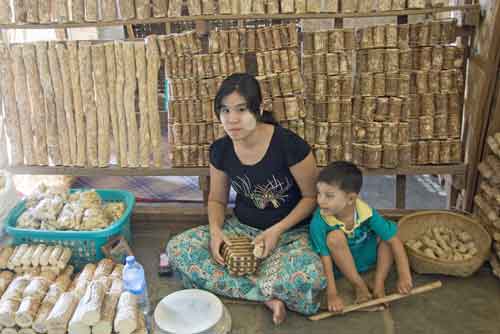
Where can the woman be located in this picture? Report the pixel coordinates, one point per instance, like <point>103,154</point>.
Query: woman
<point>273,173</point>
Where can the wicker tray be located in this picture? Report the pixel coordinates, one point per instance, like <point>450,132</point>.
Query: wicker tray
<point>413,225</point>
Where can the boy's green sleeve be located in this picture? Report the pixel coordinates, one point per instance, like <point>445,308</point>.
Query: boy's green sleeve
<point>384,228</point>
<point>317,234</point>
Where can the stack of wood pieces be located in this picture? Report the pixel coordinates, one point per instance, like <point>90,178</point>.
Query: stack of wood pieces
<point>79,11</point>
<point>409,95</point>
<point>279,75</point>
<point>86,95</point>
<point>195,75</point>
<point>239,256</point>
<point>487,199</point>
<point>32,258</point>
<point>328,76</point>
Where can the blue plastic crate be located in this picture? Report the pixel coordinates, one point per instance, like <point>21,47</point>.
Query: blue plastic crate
<point>86,245</point>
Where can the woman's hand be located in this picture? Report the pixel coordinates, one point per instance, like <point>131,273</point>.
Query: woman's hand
<point>217,238</point>
<point>269,238</point>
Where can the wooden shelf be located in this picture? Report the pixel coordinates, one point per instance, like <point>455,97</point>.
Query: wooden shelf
<point>458,169</point>
<point>307,16</point>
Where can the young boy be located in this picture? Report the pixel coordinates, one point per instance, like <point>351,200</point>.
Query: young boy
<point>346,230</point>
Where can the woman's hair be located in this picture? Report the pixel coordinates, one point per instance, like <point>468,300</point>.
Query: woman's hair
<point>248,87</point>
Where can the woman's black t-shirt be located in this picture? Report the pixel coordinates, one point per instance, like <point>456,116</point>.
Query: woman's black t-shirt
<point>266,191</point>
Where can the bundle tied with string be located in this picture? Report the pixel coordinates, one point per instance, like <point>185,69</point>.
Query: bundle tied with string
<point>239,256</point>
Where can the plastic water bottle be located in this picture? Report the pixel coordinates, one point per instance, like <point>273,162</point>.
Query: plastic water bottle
<point>134,281</point>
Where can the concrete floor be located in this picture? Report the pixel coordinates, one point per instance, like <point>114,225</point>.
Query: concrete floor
<point>470,305</point>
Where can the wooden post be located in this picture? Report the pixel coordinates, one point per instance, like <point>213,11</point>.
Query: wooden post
<point>400,191</point>
<point>204,183</point>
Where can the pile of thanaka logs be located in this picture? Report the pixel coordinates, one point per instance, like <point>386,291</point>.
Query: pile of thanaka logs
<point>487,200</point>
<point>74,103</point>
<point>78,11</point>
<point>94,301</point>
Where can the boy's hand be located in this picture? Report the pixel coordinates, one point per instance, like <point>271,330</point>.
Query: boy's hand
<point>405,284</point>
<point>335,302</point>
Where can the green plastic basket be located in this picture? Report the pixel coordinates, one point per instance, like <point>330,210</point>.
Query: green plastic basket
<point>86,245</point>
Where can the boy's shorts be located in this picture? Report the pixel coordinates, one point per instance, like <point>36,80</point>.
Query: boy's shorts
<point>364,254</point>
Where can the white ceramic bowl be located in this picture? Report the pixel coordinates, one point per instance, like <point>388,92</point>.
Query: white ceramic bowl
<point>190,311</point>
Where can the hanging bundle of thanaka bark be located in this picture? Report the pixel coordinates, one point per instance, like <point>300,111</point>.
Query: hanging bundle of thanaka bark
<point>85,96</point>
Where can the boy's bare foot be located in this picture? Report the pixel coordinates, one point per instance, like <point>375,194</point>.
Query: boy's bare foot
<point>279,310</point>
<point>362,294</point>
<point>379,292</point>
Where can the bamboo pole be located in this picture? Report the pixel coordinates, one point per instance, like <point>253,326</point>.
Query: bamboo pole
<point>378,301</point>
<point>37,104</point>
<point>48,93</point>
<point>81,140</point>
<point>129,102</point>
<point>10,108</point>
<point>62,124</point>
<point>23,104</point>
<point>63,56</point>
<point>99,69</point>
<point>88,101</point>
<point>122,119</point>
<point>144,135</point>
<point>153,57</point>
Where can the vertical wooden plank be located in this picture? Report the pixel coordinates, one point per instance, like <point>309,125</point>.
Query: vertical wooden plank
<point>400,191</point>
<point>204,183</point>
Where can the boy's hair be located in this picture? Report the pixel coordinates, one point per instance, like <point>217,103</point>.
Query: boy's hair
<point>344,174</point>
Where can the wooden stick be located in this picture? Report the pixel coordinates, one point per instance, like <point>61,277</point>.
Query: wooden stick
<point>144,134</point>
<point>378,301</point>
<point>81,139</point>
<point>48,92</point>
<point>90,10</point>
<point>44,11</point>
<point>10,108</point>
<point>119,89</point>
<point>111,85</point>
<point>129,103</point>
<point>152,56</point>
<point>5,12</point>
<point>102,103</point>
<point>23,104</point>
<point>62,124</point>
<point>32,11</point>
<point>37,104</point>
<point>63,56</point>
<point>77,11</point>
<point>88,99</point>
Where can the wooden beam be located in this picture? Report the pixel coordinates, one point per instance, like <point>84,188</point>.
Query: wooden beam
<point>468,8</point>
<point>458,169</point>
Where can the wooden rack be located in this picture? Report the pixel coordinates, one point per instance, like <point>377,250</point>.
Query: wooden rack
<point>471,11</point>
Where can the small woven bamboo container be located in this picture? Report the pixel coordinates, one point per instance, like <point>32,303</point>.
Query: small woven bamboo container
<point>358,152</point>
<point>239,257</point>
<point>404,155</point>
<point>321,155</point>
<point>390,156</point>
<point>414,225</point>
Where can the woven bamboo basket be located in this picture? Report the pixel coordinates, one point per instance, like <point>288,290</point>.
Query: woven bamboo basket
<point>414,225</point>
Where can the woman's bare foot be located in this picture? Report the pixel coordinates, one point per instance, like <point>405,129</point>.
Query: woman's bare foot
<point>362,294</point>
<point>279,310</point>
